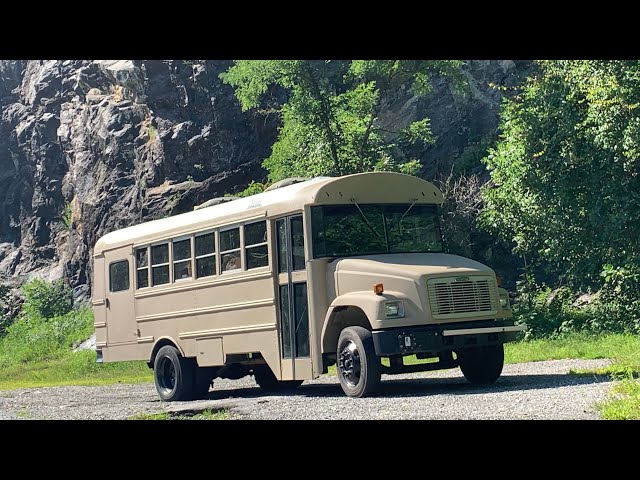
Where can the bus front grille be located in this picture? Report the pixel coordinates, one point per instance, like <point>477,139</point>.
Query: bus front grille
<point>463,296</point>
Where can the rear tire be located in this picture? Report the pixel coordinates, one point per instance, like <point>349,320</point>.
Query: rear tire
<point>269,383</point>
<point>482,365</point>
<point>357,364</point>
<point>173,375</point>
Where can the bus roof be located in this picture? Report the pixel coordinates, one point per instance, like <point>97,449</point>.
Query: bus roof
<point>378,187</point>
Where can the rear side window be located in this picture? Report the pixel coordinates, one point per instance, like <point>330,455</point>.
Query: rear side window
<point>119,276</point>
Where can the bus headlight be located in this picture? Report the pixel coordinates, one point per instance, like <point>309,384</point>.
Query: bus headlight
<point>504,300</point>
<point>393,309</point>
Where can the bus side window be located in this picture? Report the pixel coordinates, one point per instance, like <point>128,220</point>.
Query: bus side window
<point>142,267</point>
<point>181,259</point>
<point>205,255</point>
<point>255,241</point>
<point>230,249</point>
<point>119,276</point>
<point>160,264</point>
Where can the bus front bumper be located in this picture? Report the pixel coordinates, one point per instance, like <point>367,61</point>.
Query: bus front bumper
<point>437,338</point>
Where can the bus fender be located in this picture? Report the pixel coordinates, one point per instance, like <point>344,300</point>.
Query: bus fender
<point>161,342</point>
<point>348,310</point>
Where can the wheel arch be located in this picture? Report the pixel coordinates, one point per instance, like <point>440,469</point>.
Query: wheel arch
<point>339,318</point>
<point>161,342</point>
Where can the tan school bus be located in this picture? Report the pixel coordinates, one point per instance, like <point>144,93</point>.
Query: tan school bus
<point>283,284</point>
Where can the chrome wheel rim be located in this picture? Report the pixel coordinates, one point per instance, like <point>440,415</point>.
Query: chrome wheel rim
<point>350,364</point>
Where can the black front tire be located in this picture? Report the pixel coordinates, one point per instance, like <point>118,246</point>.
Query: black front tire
<point>357,364</point>
<point>482,365</point>
<point>173,375</point>
<point>269,383</point>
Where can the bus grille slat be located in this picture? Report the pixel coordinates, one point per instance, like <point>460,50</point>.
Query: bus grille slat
<point>448,296</point>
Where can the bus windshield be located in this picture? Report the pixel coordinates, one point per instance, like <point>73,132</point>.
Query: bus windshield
<point>367,229</point>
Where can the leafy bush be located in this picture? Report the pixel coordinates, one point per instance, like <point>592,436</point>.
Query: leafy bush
<point>34,338</point>
<point>552,312</point>
<point>46,299</point>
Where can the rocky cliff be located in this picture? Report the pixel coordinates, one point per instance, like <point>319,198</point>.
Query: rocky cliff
<point>87,147</point>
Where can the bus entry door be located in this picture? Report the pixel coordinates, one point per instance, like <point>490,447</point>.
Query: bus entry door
<point>293,313</point>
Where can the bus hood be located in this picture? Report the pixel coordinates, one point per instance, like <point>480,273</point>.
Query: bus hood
<point>397,266</point>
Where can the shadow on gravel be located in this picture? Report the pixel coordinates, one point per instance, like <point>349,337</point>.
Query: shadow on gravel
<point>391,387</point>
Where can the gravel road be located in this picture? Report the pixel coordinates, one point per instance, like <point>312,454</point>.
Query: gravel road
<point>540,390</point>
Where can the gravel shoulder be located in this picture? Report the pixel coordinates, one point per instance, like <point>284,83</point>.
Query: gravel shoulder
<point>539,390</point>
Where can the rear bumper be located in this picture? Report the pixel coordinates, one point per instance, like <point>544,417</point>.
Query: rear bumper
<point>437,338</point>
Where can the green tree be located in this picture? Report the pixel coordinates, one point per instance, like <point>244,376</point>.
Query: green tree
<point>331,118</point>
<point>566,171</point>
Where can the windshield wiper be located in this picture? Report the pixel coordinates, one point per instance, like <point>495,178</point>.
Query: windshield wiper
<point>407,211</point>
<point>386,234</point>
<point>365,220</point>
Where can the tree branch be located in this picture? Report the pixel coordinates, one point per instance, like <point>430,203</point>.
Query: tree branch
<point>324,117</point>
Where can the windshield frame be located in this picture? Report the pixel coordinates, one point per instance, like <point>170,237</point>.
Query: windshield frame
<point>434,209</point>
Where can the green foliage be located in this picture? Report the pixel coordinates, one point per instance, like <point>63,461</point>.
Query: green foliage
<point>151,416</point>
<point>69,368</point>
<point>45,330</point>
<point>621,282</point>
<point>566,183</point>
<point>152,132</point>
<point>66,216</point>
<point>211,414</point>
<point>549,313</point>
<point>331,120</point>
<point>33,338</point>
<point>623,402</point>
<point>616,346</point>
<point>46,299</point>
<point>37,348</point>
<point>252,189</point>
<point>207,414</point>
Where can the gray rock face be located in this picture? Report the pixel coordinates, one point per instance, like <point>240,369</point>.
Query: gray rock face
<point>90,147</point>
<point>87,147</point>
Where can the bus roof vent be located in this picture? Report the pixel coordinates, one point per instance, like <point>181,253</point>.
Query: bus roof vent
<point>286,182</point>
<point>215,201</point>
